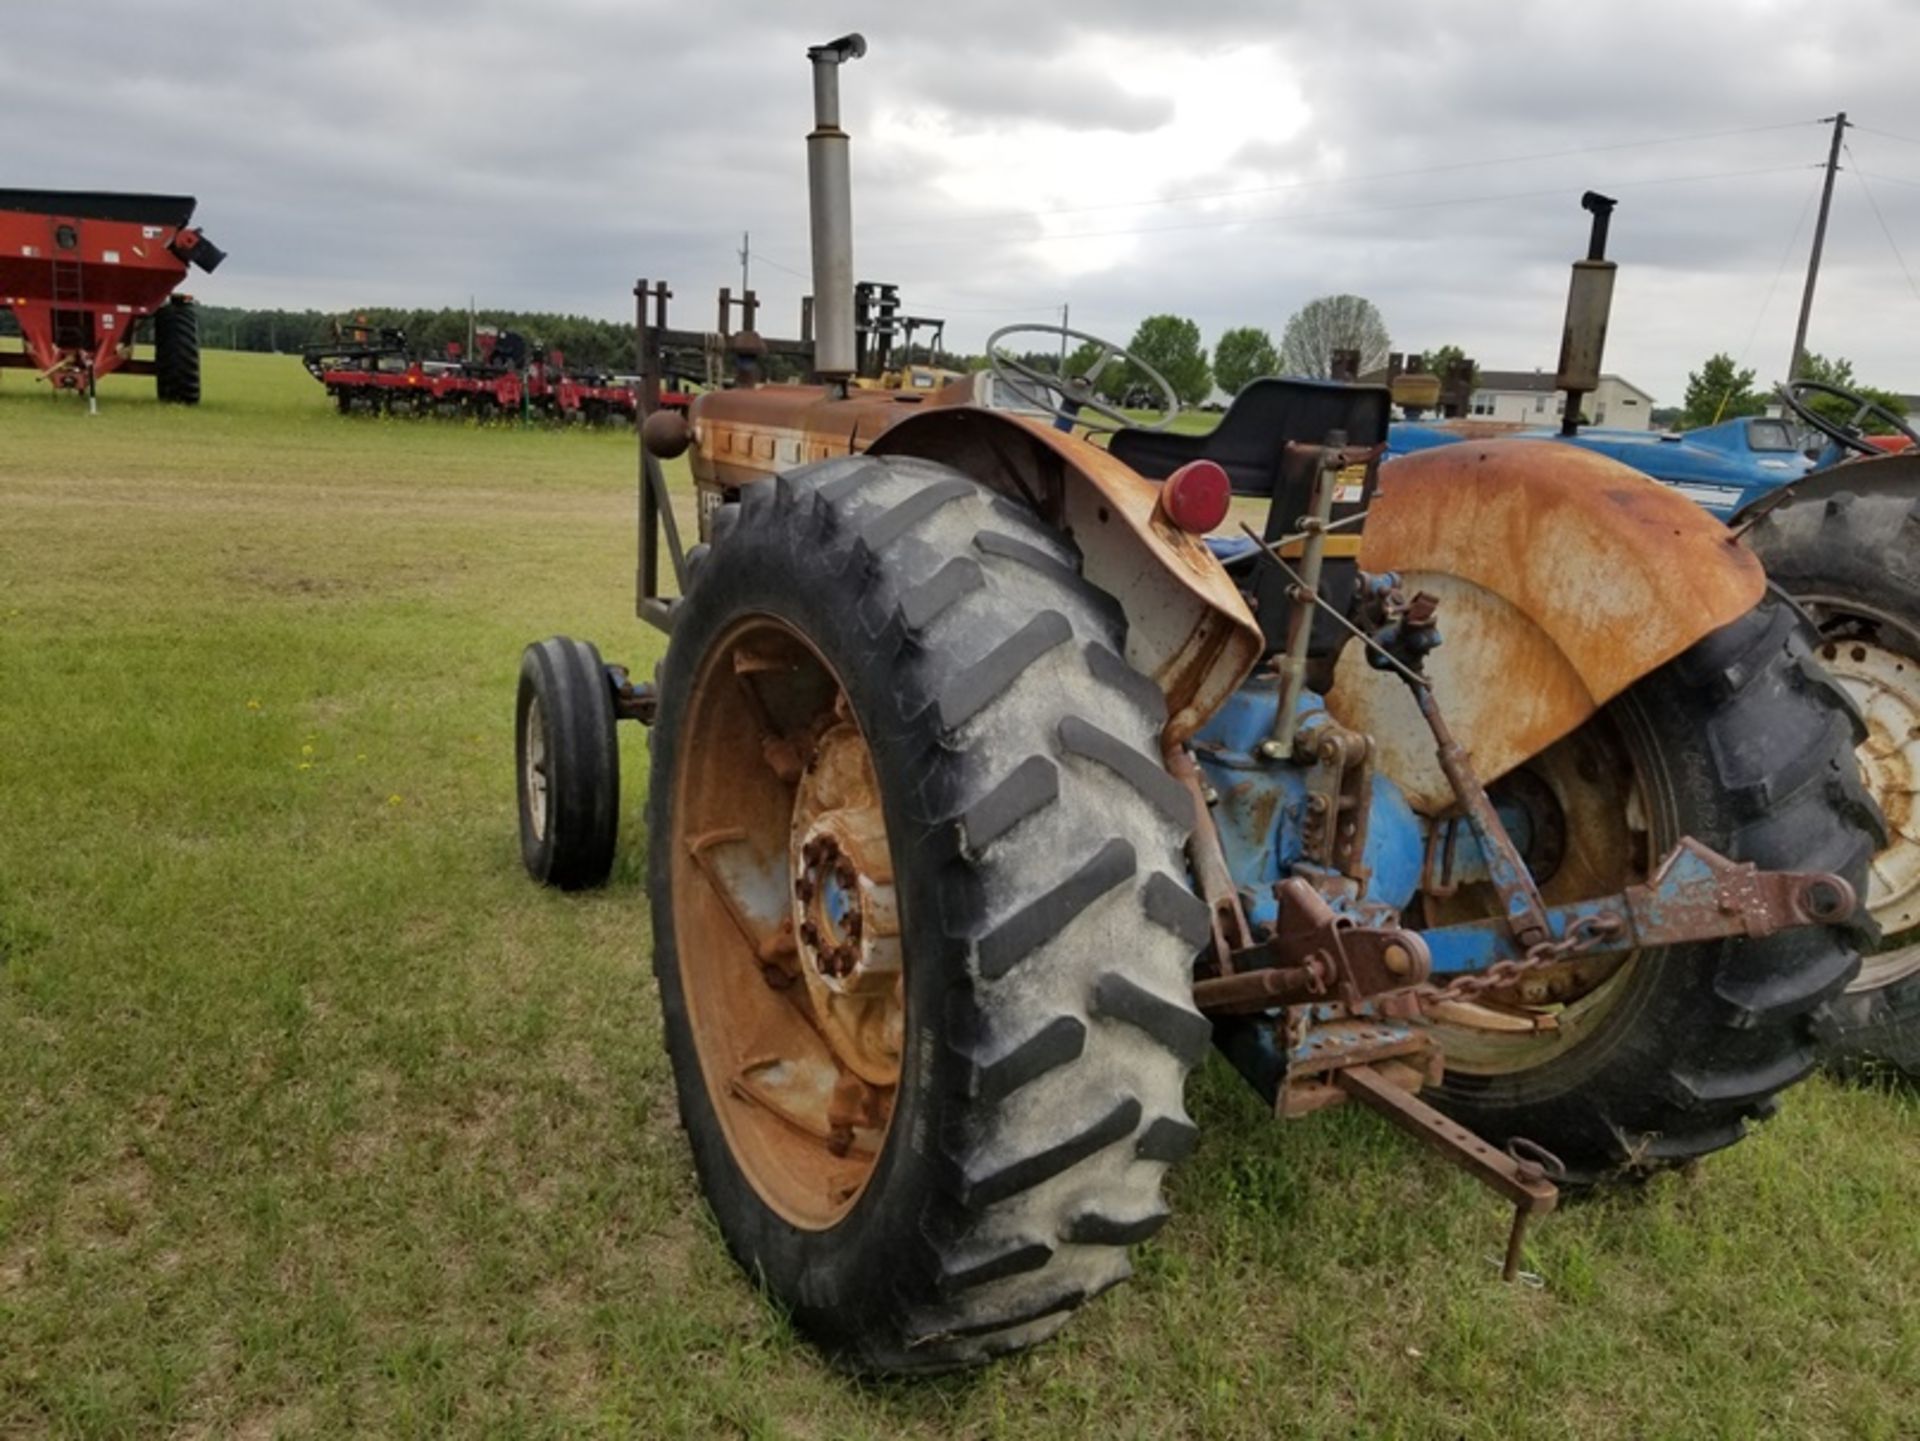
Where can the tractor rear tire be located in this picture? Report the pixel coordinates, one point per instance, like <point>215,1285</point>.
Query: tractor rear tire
<point>567,764</point>
<point>176,353</point>
<point>1852,561</point>
<point>1744,743</point>
<point>1047,931</point>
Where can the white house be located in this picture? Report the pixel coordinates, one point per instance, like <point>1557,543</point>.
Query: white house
<point>1529,397</point>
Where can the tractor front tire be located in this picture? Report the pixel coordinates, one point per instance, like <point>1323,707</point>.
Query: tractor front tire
<point>1852,561</point>
<point>176,353</point>
<point>1046,934</point>
<point>1744,743</point>
<point>567,765</point>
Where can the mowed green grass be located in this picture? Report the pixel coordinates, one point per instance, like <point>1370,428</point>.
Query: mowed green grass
<point>318,1118</point>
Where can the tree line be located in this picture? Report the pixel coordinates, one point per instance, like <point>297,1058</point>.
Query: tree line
<point>1170,344</point>
<point>1722,390</point>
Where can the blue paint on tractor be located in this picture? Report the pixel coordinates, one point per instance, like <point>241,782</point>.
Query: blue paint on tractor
<point>1721,468</point>
<point>1262,807</point>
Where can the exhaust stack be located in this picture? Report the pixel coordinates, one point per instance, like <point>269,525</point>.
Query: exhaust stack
<point>830,201</point>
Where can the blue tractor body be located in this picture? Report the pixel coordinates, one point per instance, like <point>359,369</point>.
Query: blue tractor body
<point>1722,468</point>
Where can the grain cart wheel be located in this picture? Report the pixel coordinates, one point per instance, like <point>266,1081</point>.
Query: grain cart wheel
<point>1624,1065</point>
<point>176,353</point>
<point>923,945</point>
<point>1853,562</point>
<point>567,759</point>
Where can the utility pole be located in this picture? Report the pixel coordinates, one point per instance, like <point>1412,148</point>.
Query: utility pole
<point>1064,313</point>
<point>1839,122</point>
<point>746,250</point>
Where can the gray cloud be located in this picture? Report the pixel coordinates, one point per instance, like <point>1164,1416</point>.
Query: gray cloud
<point>543,157</point>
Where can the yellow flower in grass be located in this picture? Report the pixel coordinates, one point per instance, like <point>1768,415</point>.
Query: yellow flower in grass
<point>393,800</point>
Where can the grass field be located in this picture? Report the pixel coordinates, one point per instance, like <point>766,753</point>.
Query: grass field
<point>317,1118</point>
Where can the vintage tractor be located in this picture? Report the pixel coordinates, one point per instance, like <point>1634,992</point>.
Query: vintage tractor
<point>984,795</point>
<point>79,268</point>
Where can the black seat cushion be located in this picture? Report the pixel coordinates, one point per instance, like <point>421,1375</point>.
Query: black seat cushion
<point>1252,436</point>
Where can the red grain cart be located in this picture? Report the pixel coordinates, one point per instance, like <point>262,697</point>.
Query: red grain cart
<point>79,269</point>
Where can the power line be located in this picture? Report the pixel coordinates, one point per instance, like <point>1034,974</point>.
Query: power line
<point>1746,347</point>
<point>1892,244</point>
<point>1892,179</point>
<point>1886,134</point>
<point>764,259</point>
<point>1320,181</point>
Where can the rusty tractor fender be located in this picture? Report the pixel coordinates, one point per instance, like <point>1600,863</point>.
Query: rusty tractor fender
<point>1188,627</point>
<point>1563,578</point>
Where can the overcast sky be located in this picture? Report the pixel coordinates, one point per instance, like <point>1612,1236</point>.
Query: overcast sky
<point>1226,160</point>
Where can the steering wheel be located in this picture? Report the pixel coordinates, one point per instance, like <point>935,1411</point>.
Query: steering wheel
<point>1066,396</point>
<point>1849,435</point>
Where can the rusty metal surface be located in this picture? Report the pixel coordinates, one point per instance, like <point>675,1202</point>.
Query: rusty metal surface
<point>753,433</point>
<point>1694,894</point>
<point>1230,931</point>
<point>1519,1174</point>
<point>1563,577</point>
<point>1316,955</point>
<point>1697,894</point>
<point>1188,627</point>
<point>1521,1182</point>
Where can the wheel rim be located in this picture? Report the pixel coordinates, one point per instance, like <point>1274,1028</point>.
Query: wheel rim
<point>535,768</point>
<point>1603,842</point>
<point>785,922</point>
<point>1885,685</point>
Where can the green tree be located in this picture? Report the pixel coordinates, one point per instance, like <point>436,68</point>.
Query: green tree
<point>1333,322</point>
<point>1244,353</point>
<point>1719,390</point>
<point>1441,359</point>
<point>1171,345</point>
<point>1839,371</point>
<point>1112,381</point>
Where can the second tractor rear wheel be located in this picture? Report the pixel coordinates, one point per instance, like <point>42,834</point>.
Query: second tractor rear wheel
<point>1852,561</point>
<point>1622,1066</point>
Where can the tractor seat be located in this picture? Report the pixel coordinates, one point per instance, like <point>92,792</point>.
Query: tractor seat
<point>1250,441</point>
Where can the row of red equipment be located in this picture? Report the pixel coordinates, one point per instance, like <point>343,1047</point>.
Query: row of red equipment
<point>374,370</point>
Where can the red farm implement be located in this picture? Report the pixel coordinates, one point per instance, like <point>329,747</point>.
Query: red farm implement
<point>373,369</point>
<point>79,269</point>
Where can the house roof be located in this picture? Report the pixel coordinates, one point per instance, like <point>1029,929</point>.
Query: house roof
<point>1530,381</point>
<point>1540,382</point>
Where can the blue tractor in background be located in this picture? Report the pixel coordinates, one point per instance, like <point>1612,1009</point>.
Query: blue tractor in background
<point>1838,529</point>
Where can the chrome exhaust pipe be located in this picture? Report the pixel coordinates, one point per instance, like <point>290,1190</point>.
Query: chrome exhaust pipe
<point>830,204</point>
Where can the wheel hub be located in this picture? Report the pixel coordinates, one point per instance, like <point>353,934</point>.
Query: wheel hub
<point>845,922</point>
<point>1885,685</point>
<point>536,767</point>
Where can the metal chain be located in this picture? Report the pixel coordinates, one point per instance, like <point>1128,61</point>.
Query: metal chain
<point>1583,935</point>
